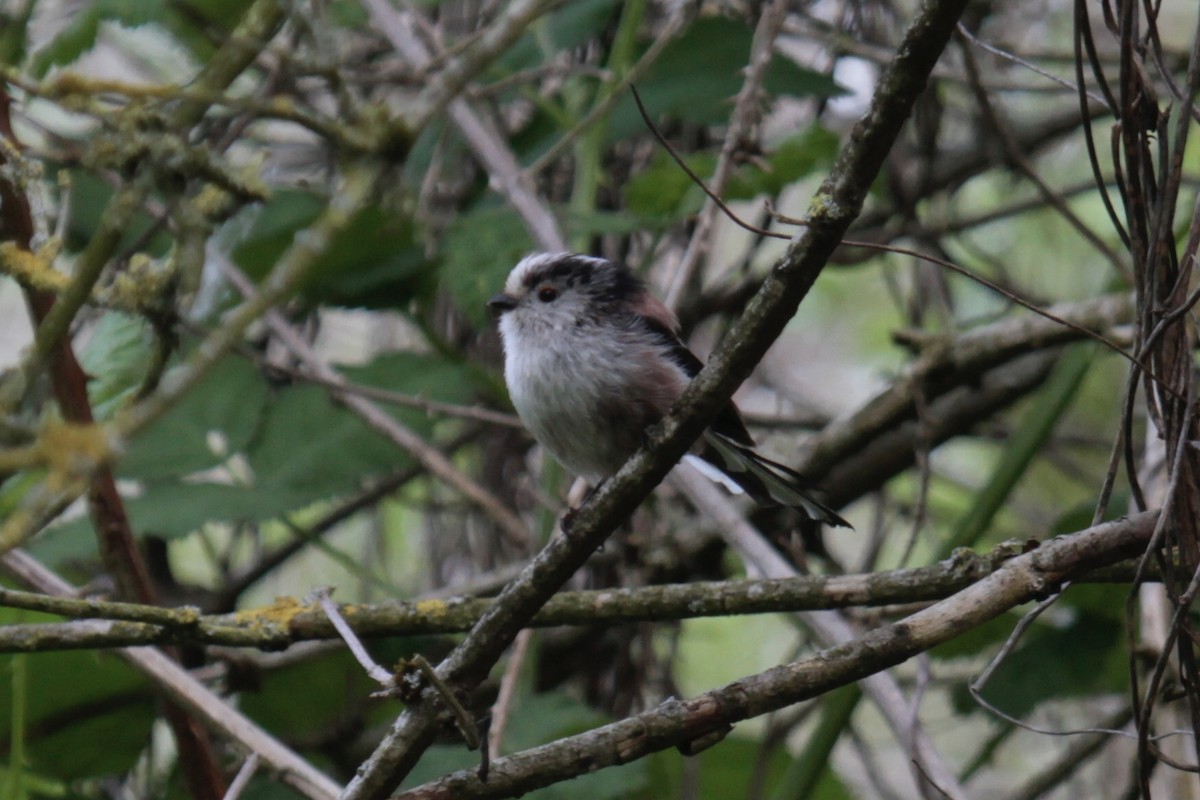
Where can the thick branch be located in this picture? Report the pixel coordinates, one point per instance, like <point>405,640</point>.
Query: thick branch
<point>187,693</point>
<point>675,723</point>
<point>837,204</point>
<point>286,622</point>
<point>947,364</point>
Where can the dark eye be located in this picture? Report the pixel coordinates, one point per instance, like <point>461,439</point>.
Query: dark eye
<point>547,293</point>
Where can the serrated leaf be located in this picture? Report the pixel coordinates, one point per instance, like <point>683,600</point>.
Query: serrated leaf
<point>115,359</point>
<point>79,35</point>
<point>193,28</point>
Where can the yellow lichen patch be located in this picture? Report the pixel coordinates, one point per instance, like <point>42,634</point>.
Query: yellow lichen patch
<point>35,270</point>
<point>142,285</point>
<point>280,612</point>
<point>71,448</point>
<point>432,608</point>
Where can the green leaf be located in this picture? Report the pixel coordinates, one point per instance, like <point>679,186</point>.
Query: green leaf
<point>375,261</point>
<point>274,224</point>
<point>794,158</point>
<point>1080,658</point>
<point>195,27</point>
<point>312,446</point>
<point>80,34</point>
<point>537,720</point>
<point>269,787</point>
<point>665,192</point>
<point>89,196</point>
<point>227,404</point>
<point>305,699</point>
<point>86,715</point>
<point>481,247</point>
<point>173,510</point>
<point>603,222</point>
<point>426,376</point>
<point>726,770</point>
<point>115,358</point>
<point>569,27</point>
<point>697,76</point>
<point>14,34</point>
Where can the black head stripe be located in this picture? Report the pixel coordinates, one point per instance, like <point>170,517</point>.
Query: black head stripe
<point>568,271</point>
<point>607,281</point>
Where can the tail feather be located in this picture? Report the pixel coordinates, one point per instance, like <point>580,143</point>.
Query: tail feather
<point>767,481</point>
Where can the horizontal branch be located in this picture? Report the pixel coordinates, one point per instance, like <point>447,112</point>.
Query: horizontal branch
<point>101,624</point>
<point>953,361</point>
<point>676,723</point>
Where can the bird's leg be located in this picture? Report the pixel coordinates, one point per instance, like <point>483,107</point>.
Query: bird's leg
<point>568,518</point>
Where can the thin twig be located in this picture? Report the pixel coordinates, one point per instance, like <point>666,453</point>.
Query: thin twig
<point>508,523</point>
<point>491,149</point>
<point>189,693</point>
<point>508,690</point>
<point>242,779</point>
<point>377,673</point>
<point>747,110</point>
<point>828,627</point>
<point>674,721</point>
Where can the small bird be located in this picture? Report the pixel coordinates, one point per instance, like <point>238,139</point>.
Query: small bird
<point>592,359</point>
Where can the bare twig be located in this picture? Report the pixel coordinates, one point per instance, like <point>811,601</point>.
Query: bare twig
<point>376,672</point>
<point>747,110</point>
<point>189,693</point>
<point>508,691</point>
<point>839,201</point>
<point>491,149</point>
<point>244,774</point>
<point>437,464</point>
<point>677,721</point>
<point>828,627</point>
<point>104,624</point>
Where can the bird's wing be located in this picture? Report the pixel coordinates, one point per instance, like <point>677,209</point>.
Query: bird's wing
<point>728,421</point>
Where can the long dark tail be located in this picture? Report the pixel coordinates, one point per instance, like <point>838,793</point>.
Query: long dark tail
<point>767,481</point>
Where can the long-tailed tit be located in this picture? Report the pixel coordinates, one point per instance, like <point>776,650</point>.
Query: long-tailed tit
<point>592,359</point>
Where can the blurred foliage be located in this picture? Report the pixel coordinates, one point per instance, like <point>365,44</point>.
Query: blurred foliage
<point>256,448</point>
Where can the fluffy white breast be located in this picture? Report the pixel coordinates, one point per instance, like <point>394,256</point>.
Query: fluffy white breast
<point>586,392</point>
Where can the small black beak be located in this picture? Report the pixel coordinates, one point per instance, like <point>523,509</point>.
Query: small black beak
<point>501,303</point>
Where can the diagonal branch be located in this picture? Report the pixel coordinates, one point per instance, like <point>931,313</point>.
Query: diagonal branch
<point>835,207</point>
<point>188,693</point>
<point>674,723</point>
